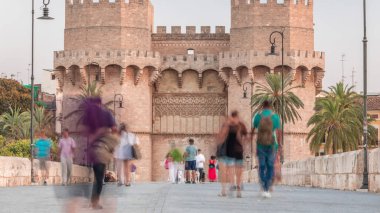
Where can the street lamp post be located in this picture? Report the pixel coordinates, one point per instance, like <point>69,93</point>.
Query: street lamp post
<point>245,89</point>
<point>272,41</point>
<point>44,17</point>
<point>365,124</point>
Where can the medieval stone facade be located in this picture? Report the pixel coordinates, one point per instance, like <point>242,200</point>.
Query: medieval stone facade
<point>177,85</point>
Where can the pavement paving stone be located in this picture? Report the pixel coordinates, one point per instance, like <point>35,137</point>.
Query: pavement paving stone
<point>199,198</point>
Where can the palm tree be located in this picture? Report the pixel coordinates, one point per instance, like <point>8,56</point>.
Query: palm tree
<point>42,118</point>
<point>15,123</point>
<point>272,91</point>
<point>338,121</point>
<point>89,91</point>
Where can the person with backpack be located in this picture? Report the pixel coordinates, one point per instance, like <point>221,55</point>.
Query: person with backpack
<point>268,137</point>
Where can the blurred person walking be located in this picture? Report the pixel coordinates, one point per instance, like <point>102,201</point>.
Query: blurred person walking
<point>200,161</point>
<point>212,169</point>
<point>169,165</point>
<point>42,149</point>
<point>190,164</point>
<point>100,126</point>
<point>231,139</point>
<point>269,134</point>
<point>126,152</point>
<point>66,147</point>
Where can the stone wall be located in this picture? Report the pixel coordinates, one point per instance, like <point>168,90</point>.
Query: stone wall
<point>342,171</point>
<point>16,172</point>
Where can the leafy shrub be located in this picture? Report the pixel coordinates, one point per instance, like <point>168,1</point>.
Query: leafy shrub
<point>2,141</point>
<point>176,155</point>
<point>19,148</point>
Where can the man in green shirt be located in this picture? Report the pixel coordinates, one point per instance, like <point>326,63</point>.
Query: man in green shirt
<point>266,151</point>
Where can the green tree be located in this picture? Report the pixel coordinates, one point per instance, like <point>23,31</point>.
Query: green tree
<point>272,91</point>
<point>43,119</point>
<point>338,121</point>
<point>13,94</point>
<point>176,155</point>
<point>88,91</point>
<point>15,123</point>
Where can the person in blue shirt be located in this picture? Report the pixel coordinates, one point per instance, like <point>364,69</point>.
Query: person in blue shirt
<point>42,148</point>
<point>190,166</point>
<point>267,153</point>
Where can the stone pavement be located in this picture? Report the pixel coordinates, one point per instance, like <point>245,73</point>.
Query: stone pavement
<point>172,198</point>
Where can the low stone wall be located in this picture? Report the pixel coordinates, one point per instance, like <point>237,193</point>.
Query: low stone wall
<point>16,172</point>
<point>342,171</point>
<point>374,170</point>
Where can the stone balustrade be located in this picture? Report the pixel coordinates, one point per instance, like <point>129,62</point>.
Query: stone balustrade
<point>17,172</point>
<point>341,171</point>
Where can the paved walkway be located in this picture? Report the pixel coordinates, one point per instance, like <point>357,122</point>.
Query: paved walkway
<point>162,197</point>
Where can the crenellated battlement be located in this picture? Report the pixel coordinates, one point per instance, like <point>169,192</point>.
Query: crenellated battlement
<point>190,30</point>
<point>105,2</point>
<point>123,58</point>
<point>106,54</point>
<point>190,33</point>
<point>293,59</point>
<point>275,3</point>
<point>295,53</point>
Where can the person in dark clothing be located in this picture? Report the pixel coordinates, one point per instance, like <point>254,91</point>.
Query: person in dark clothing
<point>100,125</point>
<point>233,134</point>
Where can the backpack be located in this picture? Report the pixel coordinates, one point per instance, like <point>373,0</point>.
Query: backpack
<point>265,131</point>
<point>166,164</point>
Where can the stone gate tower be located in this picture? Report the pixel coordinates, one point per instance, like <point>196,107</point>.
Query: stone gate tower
<point>253,21</point>
<point>181,84</point>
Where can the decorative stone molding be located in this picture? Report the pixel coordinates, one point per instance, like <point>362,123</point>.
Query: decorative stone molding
<point>83,75</point>
<point>154,77</point>
<point>293,73</point>
<point>305,77</point>
<point>251,75</point>
<point>60,78</point>
<point>223,77</point>
<point>235,73</point>
<point>180,80</point>
<point>70,74</point>
<point>158,82</point>
<point>319,75</point>
<point>102,75</point>
<point>138,75</point>
<point>200,80</point>
<point>122,76</point>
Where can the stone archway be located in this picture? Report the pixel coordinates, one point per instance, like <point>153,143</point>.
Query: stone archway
<point>187,104</point>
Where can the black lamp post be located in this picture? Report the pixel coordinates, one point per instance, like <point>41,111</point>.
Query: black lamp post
<point>44,17</point>
<point>365,123</point>
<point>245,89</point>
<point>272,41</point>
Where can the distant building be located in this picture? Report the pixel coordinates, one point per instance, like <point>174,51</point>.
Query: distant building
<point>373,108</point>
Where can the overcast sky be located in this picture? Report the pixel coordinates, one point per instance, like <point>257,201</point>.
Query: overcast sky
<point>338,30</point>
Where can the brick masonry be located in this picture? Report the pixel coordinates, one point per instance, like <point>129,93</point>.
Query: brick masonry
<point>115,44</point>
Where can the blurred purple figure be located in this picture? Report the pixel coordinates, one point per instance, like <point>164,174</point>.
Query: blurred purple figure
<point>100,124</point>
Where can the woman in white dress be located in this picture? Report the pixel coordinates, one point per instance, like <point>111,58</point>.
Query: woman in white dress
<point>125,152</point>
